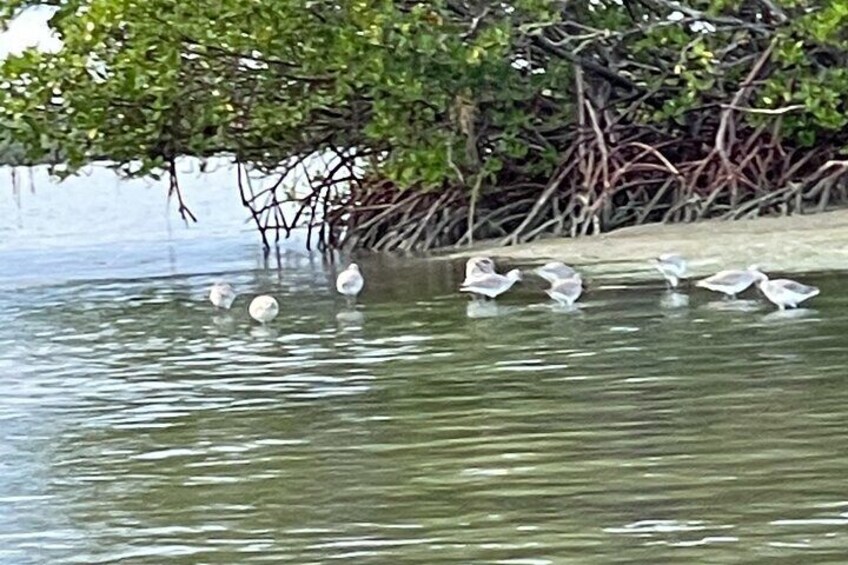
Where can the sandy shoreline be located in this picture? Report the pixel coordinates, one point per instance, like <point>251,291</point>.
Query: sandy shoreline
<point>792,244</point>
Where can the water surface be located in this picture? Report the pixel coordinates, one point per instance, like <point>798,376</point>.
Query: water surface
<point>137,425</point>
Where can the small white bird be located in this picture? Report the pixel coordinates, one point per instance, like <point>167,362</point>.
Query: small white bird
<point>477,266</point>
<point>555,271</point>
<point>222,295</point>
<point>731,283</point>
<point>672,266</point>
<point>566,291</point>
<point>785,292</point>
<point>492,284</point>
<point>263,308</point>
<point>350,282</point>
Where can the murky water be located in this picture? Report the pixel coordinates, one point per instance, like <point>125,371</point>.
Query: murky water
<point>139,426</point>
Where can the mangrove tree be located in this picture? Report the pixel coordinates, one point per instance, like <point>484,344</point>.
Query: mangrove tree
<point>414,125</point>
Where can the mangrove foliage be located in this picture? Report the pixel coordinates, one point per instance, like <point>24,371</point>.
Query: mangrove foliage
<point>413,125</point>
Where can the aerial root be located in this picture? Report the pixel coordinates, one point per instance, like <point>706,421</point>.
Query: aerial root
<point>598,185</point>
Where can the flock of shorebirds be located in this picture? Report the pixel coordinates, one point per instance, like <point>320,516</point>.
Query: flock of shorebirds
<point>482,281</point>
<point>265,308</point>
<point>567,284</point>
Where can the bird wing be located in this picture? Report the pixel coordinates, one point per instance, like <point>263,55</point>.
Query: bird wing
<point>795,287</point>
<point>562,270</point>
<point>567,287</point>
<point>554,271</point>
<point>488,282</point>
<point>729,278</point>
<point>473,277</point>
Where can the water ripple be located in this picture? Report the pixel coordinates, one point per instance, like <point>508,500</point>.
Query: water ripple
<point>141,426</point>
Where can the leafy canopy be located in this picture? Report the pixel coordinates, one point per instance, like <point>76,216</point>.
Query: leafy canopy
<point>428,90</point>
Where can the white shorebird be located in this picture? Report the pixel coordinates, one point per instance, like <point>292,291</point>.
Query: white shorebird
<point>566,291</point>
<point>222,295</point>
<point>555,271</point>
<point>350,282</point>
<point>730,283</point>
<point>263,308</point>
<point>785,292</point>
<point>477,266</point>
<point>491,285</point>
<point>672,266</point>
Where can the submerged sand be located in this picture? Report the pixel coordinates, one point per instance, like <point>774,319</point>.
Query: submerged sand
<point>792,244</point>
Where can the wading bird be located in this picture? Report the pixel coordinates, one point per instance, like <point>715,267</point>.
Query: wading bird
<point>672,266</point>
<point>730,283</point>
<point>263,308</point>
<point>566,291</point>
<point>555,271</point>
<point>491,285</point>
<point>222,295</point>
<point>350,282</point>
<point>785,293</point>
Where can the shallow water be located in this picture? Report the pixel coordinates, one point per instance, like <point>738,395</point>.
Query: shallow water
<point>138,425</point>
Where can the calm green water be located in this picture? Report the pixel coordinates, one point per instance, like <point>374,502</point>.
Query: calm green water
<point>139,426</point>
